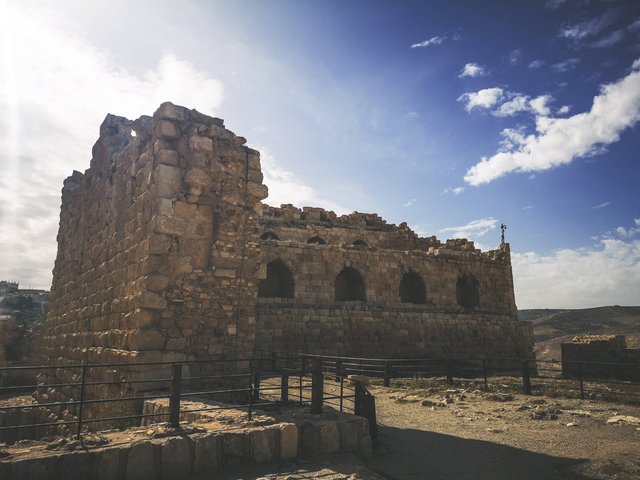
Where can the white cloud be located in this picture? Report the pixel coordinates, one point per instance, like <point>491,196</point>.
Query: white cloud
<point>528,207</point>
<point>437,40</point>
<point>412,115</point>
<point>485,98</point>
<point>517,104</point>
<point>539,105</point>
<point>473,229</point>
<point>472,70</point>
<point>409,203</point>
<point>559,141</point>
<point>55,90</point>
<point>455,191</point>
<point>564,109</point>
<point>537,64</point>
<point>606,274</point>
<point>630,231</point>
<point>602,205</point>
<point>287,187</point>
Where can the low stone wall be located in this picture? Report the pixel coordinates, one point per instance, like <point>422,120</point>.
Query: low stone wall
<point>370,331</point>
<point>130,456</point>
<point>600,356</point>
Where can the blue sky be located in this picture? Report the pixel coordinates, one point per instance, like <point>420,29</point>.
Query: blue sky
<point>451,116</point>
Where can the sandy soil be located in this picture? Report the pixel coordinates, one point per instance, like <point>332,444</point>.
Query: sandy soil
<point>461,434</point>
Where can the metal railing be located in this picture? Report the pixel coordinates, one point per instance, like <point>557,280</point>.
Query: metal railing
<point>245,383</point>
<point>610,381</point>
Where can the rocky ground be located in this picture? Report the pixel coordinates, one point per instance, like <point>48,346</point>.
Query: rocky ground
<point>463,433</point>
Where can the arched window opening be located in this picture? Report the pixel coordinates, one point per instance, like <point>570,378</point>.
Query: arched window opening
<point>269,236</point>
<point>467,293</point>
<point>360,243</point>
<point>316,240</point>
<point>279,281</point>
<point>349,285</point>
<point>412,289</point>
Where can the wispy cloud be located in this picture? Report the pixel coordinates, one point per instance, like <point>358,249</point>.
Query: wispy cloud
<point>472,70</point>
<point>588,28</point>
<point>437,40</point>
<point>615,259</point>
<point>528,207</point>
<point>474,229</point>
<point>554,4</point>
<point>485,98</point>
<point>559,141</point>
<point>537,64</point>
<point>455,191</point>
<point>515,56</point>
<point>602,205</point>
<point>409,203</point>
<point>565,65</point>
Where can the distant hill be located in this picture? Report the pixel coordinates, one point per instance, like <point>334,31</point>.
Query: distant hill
<point>553,326</point>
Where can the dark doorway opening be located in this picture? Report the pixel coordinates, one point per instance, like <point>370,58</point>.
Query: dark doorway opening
<point>349,285</point>
<point>412,289</point>
<point>467,293</point>
<point>279,281</point>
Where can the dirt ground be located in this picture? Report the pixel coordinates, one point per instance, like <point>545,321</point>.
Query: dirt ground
<point>459,433</point>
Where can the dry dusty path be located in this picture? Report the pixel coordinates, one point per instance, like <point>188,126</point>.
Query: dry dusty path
<point>514,437</point>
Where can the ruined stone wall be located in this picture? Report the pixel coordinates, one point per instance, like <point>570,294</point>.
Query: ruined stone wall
<point>154,257</point>
<point>600,356</point>
<point>382,325</point>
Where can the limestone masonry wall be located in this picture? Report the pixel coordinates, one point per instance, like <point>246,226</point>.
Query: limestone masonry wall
<point>165,253</point>
<point>154,262</point>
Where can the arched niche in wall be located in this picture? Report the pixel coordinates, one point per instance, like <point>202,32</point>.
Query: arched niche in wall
<point>467,291</point>
<point>279,281</point>
<point>360,243</point>
<point>413,289</point>
<point>349,285</point>
<point>269,235</point>
<point>317,240</point>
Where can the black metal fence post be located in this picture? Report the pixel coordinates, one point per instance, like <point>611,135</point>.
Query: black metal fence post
<point>317,386</point>
<point>387,374</point>
<point>284,386</point>
<point>174,400</point>
<point>581,380</point>
<point>338,368</point>
<point>449,371</point>
<point>257,374</point>
<point>80,407</point>
<point>251,393</point>
<point>484,375</point>
<point>526,378</point>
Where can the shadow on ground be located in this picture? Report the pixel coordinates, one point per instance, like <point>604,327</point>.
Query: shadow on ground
<point>408,454</point>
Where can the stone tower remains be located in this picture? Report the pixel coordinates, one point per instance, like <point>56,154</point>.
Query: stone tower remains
<point>166,253</point>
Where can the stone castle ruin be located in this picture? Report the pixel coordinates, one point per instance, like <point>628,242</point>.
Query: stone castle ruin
<point>166,253</point>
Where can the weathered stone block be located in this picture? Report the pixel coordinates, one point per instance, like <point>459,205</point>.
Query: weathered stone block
<point>167,129</point>
<point>141,462</point>
<point>176,457</point>
<point>108,464</point>
<point>145,340</point>
<point>263,444</point>
<point>207,450</point>
<point>201,143</point>
<point>288,441</point>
